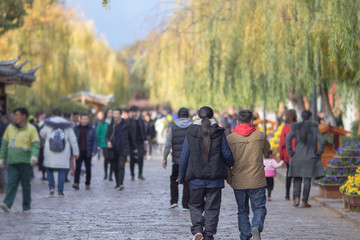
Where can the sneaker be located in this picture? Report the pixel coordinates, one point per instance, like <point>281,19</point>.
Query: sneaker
<point>185,209</point>
<point>269,198</point>
<point>121,187</point>
<point>305,205</point>
<point>61,194</point>
<point>141,177</point>
<point>4,207</point>
<point>296,202</point>
<point>198,236</point>
<point>255,233</point>
<point>87,187</point>
<point>116,187</point>
<point>132,178</point>
<point>287,198</point>
<point>51,192</point>
<point>174,205</point>
<point>26,211</point>
<point>76,186</point>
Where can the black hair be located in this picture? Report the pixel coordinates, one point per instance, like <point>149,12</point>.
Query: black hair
<point>84,114</point>
<point>67,114</point>
<point>75,113</point>
<point>125,110</point>
<point>183,113</point>
<point>245,116</point>
<point>56,112</point>
<point>22,110</point>
<point>304,128</point>
<point>268,154</point>
<point>134,108</point>
<point>119,110</point>
<point>105,114</point>
<point>205,113</point>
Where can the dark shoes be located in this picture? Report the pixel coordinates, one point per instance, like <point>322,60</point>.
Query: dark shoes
<point>87,187</point>
<point>305,205</point>
<point>287,198</point>
<point>141,177</point>
<point>75,186</point>
<point>296,202</point>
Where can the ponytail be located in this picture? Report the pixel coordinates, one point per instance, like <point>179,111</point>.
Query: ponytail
<point>205,113</point>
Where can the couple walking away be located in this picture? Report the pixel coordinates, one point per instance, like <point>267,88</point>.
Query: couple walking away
<point>208,157</point>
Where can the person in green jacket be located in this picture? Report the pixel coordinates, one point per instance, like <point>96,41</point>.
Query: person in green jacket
<point>101,132</point>
<point>20,147</point>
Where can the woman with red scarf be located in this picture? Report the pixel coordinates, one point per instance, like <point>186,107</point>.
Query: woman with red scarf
<point>290,117</point>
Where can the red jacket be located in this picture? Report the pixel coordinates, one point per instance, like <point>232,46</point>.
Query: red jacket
<point>282,149</point>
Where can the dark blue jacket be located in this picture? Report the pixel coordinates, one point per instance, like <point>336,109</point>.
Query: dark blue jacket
<point>91,139</point>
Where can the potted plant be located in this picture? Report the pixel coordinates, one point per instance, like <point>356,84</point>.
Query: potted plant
<point>351,192</point>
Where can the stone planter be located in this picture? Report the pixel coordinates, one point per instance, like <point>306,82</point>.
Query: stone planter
<point>351,202</point>
<point>329,190</point>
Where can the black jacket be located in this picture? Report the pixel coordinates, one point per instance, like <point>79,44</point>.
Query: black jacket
<point>215,168</point>
<point>138,130</point>
<point>121,137</point>
<point>178,136</point>
<point>150,129</point>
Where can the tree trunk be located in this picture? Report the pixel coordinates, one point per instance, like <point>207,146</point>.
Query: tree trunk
<point>325,103</point>
<point>297,101</point>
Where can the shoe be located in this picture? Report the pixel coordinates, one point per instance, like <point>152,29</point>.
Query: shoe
<point>4,207</point>
<point>121,187</point>
<point>132,178</point>
<point>287,198</point>
<point>110,179</point>
<point>296,202</point>
<point>269,198</point>
<point>117,186</point>
<point>198,236</point>
<point>105,177</point>
<point>61,194</point>
<point>185,209</point>
<point>174,205</point>
<point>51,192</point>
<point>305,205</point>
<point>141,177</point>
<point>76,186</point>
<point>87,187</point>
<point>26,211</point>
<point>255,233</point>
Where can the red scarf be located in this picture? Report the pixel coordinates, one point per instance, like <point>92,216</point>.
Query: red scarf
<point>244,129</point>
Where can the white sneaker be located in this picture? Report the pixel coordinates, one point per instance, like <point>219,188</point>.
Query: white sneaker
<point>185,209</point>
<point>198,236</point>
<point>51,192</point>
<point>173,205</point>
<point>255,233</point>
<point>26,211</point>
<point>121,187</point>
<point>4,207</point>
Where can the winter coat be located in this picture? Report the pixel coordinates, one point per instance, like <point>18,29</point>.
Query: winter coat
<point>101,132</point>
<point>282,148</point>
<point>150,129</point>
<point>124,137</point>
<point>270,167</point>
<point>248,150</point>
<point>305,159</point>
<point>91,139</point>
<point>20,144</point>
<point>59,159</point>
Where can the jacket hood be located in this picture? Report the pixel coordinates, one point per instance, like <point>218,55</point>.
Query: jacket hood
<point>183,123</point>
<point>198,122</point>
<point>58,122</point>
<point>215,130</point>
<point>244,129</point>
<point>308,123</point>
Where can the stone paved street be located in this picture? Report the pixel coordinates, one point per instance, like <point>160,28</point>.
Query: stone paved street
<point>141,212</point>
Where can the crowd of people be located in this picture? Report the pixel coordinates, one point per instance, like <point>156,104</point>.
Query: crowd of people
<point>204,154</point>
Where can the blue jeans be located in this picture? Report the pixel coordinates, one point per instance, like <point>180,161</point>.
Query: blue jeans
<point>257,197</point>
<point>61,179</point>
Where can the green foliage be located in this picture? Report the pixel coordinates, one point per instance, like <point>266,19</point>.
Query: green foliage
<point>12,13</point>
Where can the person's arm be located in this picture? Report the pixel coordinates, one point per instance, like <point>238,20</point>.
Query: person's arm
<point>95,143</point>
<point>43,133</point>
<point>322,142</point>
<point>4,145</point>
<point>226,152</point>
<point>276,164</point>
<point>35,143</point>
<point>73,142</point>
<point>184,160</point>
<point>282,144</point>
<point>168,145</point>
<point>267,146</point>
<point>131,136</point>
<point>288,141</point>
<point>98,130</point>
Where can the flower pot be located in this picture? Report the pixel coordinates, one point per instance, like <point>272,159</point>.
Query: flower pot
<point>329,190</point>
<point>352,202</point>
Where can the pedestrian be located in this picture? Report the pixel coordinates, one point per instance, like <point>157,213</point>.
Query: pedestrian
<point>20,147</point>
<point>270,172</point>
<point>290,117</point>
<point>87,141</point>
<point>68,117</point>
<point>305,159</point>
<point>174,143</point>
<point>150,133</point>
<point>204,157</point>
<point>3,126</point>
<point>121,139</point>
<point>139,133</point>
<point>59,138</point>
<point>247,177</point>
<point>101,132</point>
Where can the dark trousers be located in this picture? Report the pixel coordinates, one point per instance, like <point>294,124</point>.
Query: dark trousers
<point>107,162</point>
<point>204,206</point>
<point>119,168</point>
<point>269,185</point>
<point>87,160</point>
<point>306,190</point>
<point>288,181</point>
<point>174,188</point>
<point>139,160</point>
<point>19,173</point>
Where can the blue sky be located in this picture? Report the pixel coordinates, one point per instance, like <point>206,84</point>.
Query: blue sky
<point>126,21</point>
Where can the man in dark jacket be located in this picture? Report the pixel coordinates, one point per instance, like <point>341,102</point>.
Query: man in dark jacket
<point>121,139</point>
<point>139,132</point>
<point>174,142</point>
<point>87,141</point>
<point>150,133</point>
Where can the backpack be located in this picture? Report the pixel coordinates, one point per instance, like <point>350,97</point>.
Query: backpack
<point>57,140</point>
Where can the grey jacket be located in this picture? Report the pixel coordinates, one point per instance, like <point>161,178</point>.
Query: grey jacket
<point>182,123</point>
<point>305,160</point>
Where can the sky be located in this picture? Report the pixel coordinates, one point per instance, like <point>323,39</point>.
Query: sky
<point>125,21</point>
